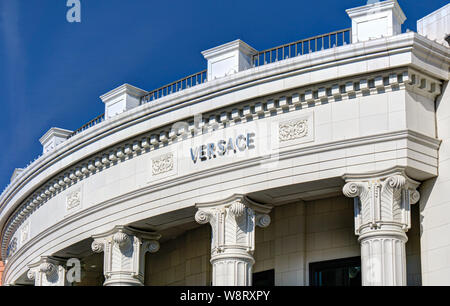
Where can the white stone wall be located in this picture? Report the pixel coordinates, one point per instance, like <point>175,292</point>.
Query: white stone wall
<point>435,206</point>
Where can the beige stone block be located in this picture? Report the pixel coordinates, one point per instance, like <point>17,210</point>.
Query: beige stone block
<point>289,244</point>
<point>282,263</point>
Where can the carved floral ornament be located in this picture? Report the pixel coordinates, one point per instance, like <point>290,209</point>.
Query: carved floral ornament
<point>162,164</point>
<point>293,129</point>
<point>382,201</point>
<point>233,223</point>
<point>73,200</point>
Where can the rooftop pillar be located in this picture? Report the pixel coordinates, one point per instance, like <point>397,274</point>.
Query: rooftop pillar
<point>52,138</point>
<point>121,99</point>
<point>228,59</point>
<point>376,20</point>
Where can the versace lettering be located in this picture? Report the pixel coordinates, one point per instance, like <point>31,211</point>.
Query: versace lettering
<point>223,147</point>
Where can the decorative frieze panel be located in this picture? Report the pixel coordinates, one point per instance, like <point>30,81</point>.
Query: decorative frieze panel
<point>162,164</point>
<point>293,129</point>
<point>25,232</point>
<point>73,201</point>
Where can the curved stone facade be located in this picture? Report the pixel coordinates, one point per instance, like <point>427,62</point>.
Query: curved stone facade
<point>245,172</point>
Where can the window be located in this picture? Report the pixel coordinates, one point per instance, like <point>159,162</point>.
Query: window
<point>264,278</point>
<point>340,272</point>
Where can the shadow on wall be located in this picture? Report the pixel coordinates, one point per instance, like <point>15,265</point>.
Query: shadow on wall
<point>427,187</point>
<point>425,191</point>
<point>440,100</point>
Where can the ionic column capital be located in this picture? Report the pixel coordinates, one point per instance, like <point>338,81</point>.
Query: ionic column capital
<point>124,254</point>
<point>124,237</point>
<point>382,200</point>
<point>382,218</point>
<point>48,271</point>
<point>233,222</point>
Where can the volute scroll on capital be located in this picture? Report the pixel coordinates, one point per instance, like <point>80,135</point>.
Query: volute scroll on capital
<point>48,271</point>
<point>237,206</point>
<point>124,237</point>
<point>382,200</point>
<point>233,222</point>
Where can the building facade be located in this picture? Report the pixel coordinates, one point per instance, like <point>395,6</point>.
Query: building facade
<point>321,162</point>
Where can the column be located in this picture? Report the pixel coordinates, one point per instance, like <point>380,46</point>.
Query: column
<point>48,271</point>
<point>124,251</point>
<point>382,218</point>
<point>233,224</point>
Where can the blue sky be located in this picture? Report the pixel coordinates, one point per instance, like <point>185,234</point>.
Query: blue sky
<point>52,72</point>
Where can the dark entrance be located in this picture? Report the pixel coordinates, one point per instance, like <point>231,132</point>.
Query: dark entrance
<point>339,272</point>
<point>264,278</point>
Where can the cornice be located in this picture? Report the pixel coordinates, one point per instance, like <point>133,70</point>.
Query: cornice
<point>231,46</point>
<point>54,132</point>
<point>125,88</point>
